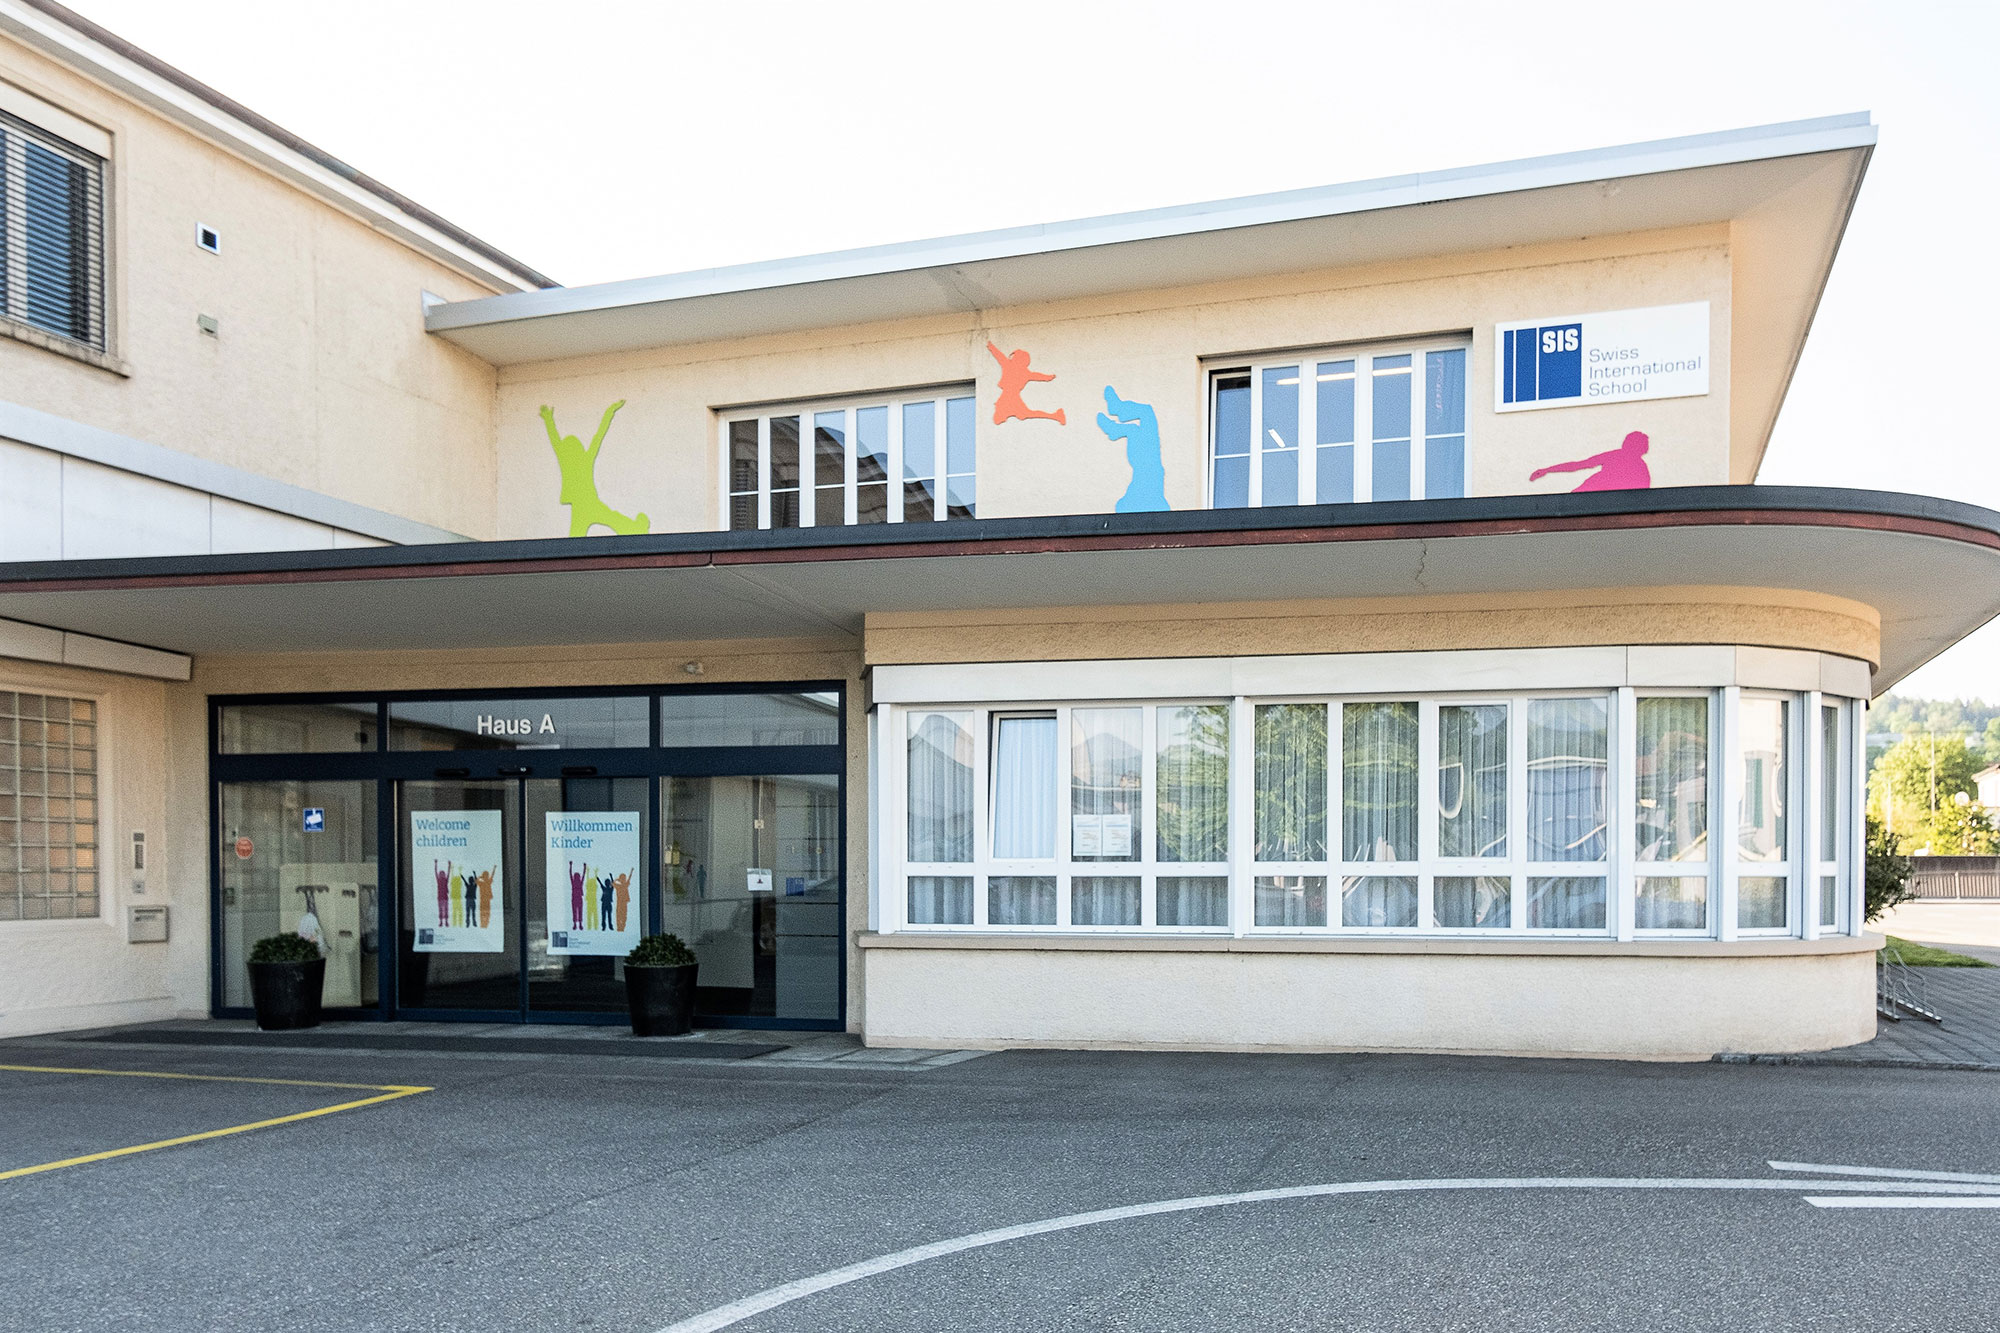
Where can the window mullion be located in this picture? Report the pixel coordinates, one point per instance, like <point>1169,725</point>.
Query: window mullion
<point>1242,773</point>
<point>1256,437</point>
<point>1623,889</point>
<point>764,471</point>
<point>982,822</point>
<point>1813,778</point>
<point>1145,828</point>
<point>1336,832</point>
<point>1427,812</point>
<point>1364,427</point>
<point>1728,796</point>
<point>1517,813</point>
<point>1419,371</point>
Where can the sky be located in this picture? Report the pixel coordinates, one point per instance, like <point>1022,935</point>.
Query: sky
<point>611,139</point>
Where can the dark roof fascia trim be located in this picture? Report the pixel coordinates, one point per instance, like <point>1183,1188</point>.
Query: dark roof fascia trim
<point>229,106</point>
<point>1692,506</point>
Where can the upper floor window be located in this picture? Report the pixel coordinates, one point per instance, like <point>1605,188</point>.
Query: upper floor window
<point>52,226</point>
<point>1340,425</point>
<point>907,459</point>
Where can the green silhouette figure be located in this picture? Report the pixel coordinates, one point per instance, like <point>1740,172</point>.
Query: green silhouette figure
<point>579,479</point>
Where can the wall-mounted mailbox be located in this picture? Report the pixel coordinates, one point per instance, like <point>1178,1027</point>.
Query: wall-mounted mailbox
<point>146,925</point>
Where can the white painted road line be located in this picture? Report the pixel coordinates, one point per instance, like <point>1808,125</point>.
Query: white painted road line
<point>1902,1201</point>
<point>1894,1172</point>
<point>723,1316</point>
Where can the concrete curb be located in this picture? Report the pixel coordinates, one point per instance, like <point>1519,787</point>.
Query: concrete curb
<point>1854,1062</point>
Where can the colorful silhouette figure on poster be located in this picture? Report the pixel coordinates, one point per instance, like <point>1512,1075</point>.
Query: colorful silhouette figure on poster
<point>623,884</point>
<point>576,897</point>
<point>457,899</point>
<point>604,895</point>
<point>1620,469</point>
<point>486,898</point>
<point>444,891</point>
<point>1135,424</point>
<point>1014,377</point>
<point>579,479</point>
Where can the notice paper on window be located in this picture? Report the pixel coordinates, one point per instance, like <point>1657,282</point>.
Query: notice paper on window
<point>1117,836</point>
<point>758,881</point>
<point>1086,836</point>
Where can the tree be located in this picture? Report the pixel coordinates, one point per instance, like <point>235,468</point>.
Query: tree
<point>1963,828</point>
<point>1886,872</point>
<point>1918,776</point>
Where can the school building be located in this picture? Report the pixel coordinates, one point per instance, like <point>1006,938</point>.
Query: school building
<point>1338,619</point>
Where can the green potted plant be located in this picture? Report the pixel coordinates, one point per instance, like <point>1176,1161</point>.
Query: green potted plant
<point>659,986</point>
<point>287,973</point>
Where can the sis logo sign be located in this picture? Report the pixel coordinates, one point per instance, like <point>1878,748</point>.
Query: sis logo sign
<point>1613,356</point>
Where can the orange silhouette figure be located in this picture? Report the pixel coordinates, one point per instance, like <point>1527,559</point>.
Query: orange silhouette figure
<point>485,880</point>
<point>1014,377</point>
<point>624,886</point>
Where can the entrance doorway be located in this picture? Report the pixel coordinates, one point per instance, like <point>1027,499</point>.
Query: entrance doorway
<point>521,858</point>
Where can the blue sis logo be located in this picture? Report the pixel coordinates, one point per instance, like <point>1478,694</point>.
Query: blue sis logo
<point>1538,365</point>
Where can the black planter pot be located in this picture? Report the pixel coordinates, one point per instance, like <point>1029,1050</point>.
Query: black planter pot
<point>661,999</point>
<point>287,995</point>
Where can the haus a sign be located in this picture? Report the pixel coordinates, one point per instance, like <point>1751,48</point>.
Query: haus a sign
<point>1615,356</point>
<point>496,724</point>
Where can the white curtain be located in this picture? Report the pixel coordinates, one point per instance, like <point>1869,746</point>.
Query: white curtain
<point>1472,902</point>
<point>1102,900</point>
<point>940,787</point>
<point>940,900</point>
<point>1191,784</point>
<point>1566,903</point>
<point>1378,900</point>
<point>1106,763</point>
<point>1378,783</point>
<point>1472,780</point>
<point>1568,754</point>
<point>1673,780</point>
<point>1024,788</point>
<point>1290,783</point>
<point>1289,900</point>
<point>1021,900</point>
<point>1192,900</point>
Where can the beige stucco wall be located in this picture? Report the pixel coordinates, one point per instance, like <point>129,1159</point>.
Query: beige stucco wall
<point>321,376</point>
<point>70,974</point>
<point>1680,615</point>
<point>1598,999</point>
<point>663,456</point>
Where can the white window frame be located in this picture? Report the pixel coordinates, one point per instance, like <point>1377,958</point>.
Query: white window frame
<point>805,411</point>
<point>1709,868</point>
<point>1307,447</point>
<point>1787,866</point>
<point>1801,868</point>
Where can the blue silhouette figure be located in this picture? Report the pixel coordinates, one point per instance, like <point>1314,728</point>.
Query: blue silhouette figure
<point>1135,424</point>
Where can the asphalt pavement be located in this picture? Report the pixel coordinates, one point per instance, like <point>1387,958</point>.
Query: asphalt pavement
<point>533,1192</point>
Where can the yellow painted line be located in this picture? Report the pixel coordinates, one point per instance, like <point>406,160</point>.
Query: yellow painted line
<point>387,1092</point>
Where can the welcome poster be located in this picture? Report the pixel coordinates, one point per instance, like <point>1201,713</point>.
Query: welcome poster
<point>457,853</point>
<point>593,881</point>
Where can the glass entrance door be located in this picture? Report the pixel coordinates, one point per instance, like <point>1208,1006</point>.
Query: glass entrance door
<point>750,878</point>
<point>458,938</point>
<point>584,890</point>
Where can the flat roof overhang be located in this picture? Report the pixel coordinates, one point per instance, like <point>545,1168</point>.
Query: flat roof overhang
<point>1785,192</point>
<point>1930,567</point>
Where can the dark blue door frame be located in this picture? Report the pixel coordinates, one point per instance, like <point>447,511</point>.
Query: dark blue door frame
<point>388,769</point>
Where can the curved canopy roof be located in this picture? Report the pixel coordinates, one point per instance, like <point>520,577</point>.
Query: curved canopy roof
<point>1930,567</point>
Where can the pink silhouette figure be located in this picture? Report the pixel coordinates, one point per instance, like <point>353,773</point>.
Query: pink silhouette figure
<point>575,897</point>
<point>1014,377</point>
<point>444,892</point>
<point>1620,469</point>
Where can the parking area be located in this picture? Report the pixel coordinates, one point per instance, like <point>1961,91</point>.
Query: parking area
<point>1024,1190</point>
